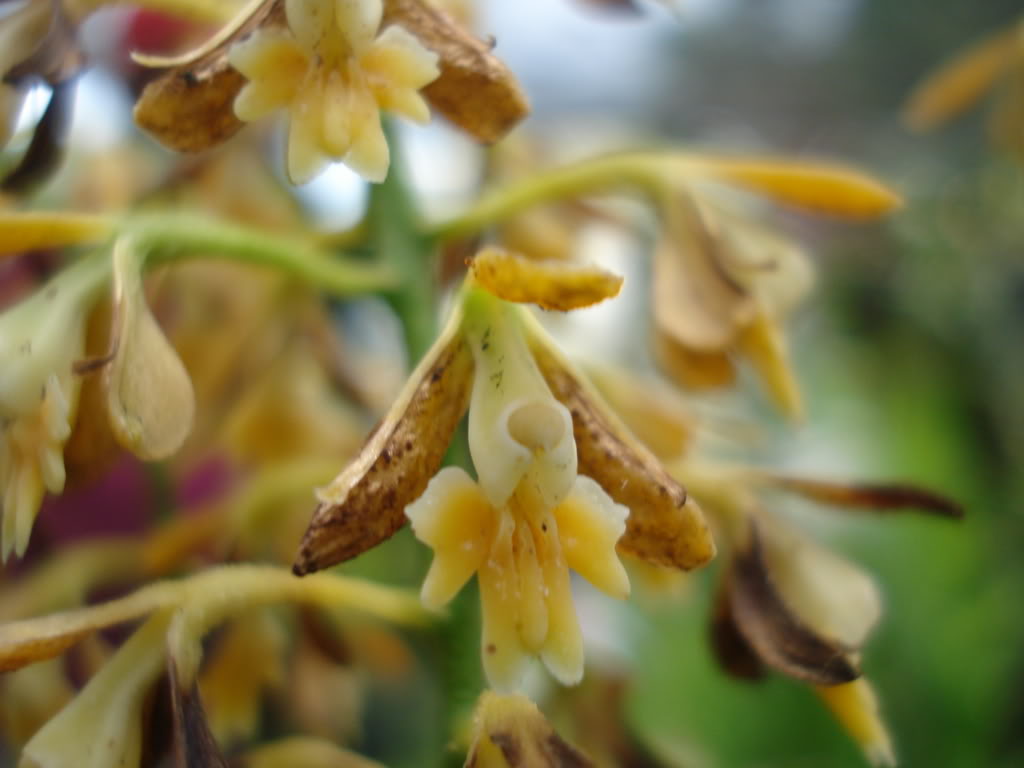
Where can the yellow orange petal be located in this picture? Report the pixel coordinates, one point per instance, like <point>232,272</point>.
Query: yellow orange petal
<point>818,187</point>
<point>589,526</point>
<point>455,520</point>
<point>502,650</point>
<point>36,230</point>
<point>855,706</point>
<point>962,81</point>
<point>548,284</point>
<point>764,344</point>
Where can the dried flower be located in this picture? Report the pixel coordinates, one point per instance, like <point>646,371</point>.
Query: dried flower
<point>790,604</point>
<point>509,732</point>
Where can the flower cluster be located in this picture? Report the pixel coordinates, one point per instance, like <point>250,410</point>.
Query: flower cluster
<point>240,381</point>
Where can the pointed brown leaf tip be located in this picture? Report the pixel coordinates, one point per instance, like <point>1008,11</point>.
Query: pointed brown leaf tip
<point>475,90</point>
<point>366,503</point>
<point>773,631</point>
<point>664,526</point>
<point>878,497</point>
<point>191,107</point>
<point>194,745</point>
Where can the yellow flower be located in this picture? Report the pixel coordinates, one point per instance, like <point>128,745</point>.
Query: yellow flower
<point>334,73</point>
<point>531,518</point>
<point>562,484</point>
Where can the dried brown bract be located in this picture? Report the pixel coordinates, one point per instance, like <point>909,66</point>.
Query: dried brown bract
<point>779,637</point>
<point>366,503</point>
<point>189,108</point>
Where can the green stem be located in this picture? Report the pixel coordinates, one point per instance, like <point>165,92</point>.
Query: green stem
<point>170,238</point>
<point>395,232</point>
<point>600,175</point>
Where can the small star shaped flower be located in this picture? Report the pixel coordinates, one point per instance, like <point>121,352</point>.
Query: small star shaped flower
<point>334,73</point>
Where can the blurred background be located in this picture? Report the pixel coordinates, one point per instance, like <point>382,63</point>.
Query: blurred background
<point>911,351</point>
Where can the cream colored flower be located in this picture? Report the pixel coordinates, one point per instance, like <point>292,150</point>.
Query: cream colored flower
<point>40,339</point>
<point>530,519</point>
<point>334,73</point>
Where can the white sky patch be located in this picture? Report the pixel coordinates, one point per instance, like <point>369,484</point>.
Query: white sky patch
<point>102,116</point>
<point>336,198</point>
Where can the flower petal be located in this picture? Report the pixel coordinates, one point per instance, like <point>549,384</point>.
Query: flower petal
<point>368,155</point>
<point>664,526</point>
<point>149,393</point>
<point>813,186</point>
<point>306,156</point>
<point>310,20</point>
<point>555,285</point>
<point>455,520</point>
<point>504,656</point>
<point>400,59</point>
<point>962,81</point>
<point>855,706</point>
<point>780,637</point>
<point>827,592</point>
<point>515,423</point>
<point>475,90</point>
<point>562,651</point>
<point>102,725</point>
<point>358,20</point>
<point>589,526</point>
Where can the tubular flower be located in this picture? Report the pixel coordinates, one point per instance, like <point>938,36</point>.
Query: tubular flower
<point>40,339</point>
<point>562,485</point>
<point>334,73</point>
<point>529,520</point>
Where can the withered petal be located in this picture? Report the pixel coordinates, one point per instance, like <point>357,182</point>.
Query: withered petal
<point>46,150</point>
<point>664,526</point>
<point>732,651</point>
<point>366,503</point>
<point>778,637</point>
<point>691,369</point>
<point>475,90</point>
<point>876,497</point>
<point>697,301</point>
<point>191,107</point>
<point>512,733</point>
<point>194,745</point>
